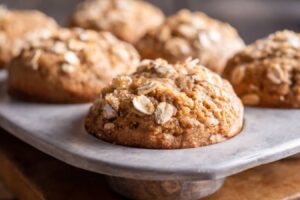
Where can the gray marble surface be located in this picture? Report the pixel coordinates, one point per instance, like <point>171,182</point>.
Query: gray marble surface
<point>57,130</point>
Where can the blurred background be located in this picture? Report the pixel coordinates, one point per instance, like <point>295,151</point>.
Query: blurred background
<point>253,19</point>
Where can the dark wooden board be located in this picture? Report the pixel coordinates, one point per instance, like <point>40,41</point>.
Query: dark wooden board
<point>32,175</point>
<point>5,194</point>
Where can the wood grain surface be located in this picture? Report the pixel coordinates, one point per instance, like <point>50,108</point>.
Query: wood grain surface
<point>32,175</point>
<point>279,180</point>
<point>5,194</point>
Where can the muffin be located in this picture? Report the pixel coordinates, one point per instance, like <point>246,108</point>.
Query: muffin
<point>166,106</point>
<point>267,73</point>
<point>20,28</point>
<point>127,19</point>
<point>71,66</point>
<point>192,34</point>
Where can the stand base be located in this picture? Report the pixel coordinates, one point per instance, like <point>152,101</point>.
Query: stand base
<point>164,190</point>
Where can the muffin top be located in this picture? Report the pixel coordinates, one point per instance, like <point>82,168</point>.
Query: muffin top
<point>75,61</point>
<point>267,72</point>
<point>127,19</point>
<point>19,28</point>
<point>192,34</point>
<point>166,106</point>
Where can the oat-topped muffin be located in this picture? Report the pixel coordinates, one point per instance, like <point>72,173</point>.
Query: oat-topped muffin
<point>71,66</point>
<point>20,28</point>
<point>192,34</point>
<point>167,107</point>
<point>127,19</point>
<point>267,73</point>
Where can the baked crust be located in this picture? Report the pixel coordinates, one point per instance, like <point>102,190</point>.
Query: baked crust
<point>267,72</point>
<point>127,19</point>
<point>20,28</point>
<point>166,106</point>
<point>71,66</point>
<point>192,34</point>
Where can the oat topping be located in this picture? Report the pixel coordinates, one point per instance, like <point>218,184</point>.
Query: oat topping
<point>77,68</point>
<point>294,42</point>
<point>122,81</point>
<point>68,68</point>
<point>164,112</point>
<point>75,45</point>
<point>35,59</point>
<point>143,104</point>
<point>275,74</point>
<point>20,29</point>
<point>192,34</point>
<point>183,107</point>
<point>113,101</point>
<point>127,19</point>
<point>164,69</point>
<point>71,58</point>
<point>59,48</point>
<point>36,36</point>
<point>237,75</point>
<point>266,73</point>
<point>146,88</point>
<point>68,45</point>
<point>108,112</point>
<point>109,126</point>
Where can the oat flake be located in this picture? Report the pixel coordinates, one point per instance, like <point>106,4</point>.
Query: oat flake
<point>143,104</point>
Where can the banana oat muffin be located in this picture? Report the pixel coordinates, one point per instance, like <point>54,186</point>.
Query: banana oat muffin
<point>71,66</point>
<point>267,73</point>
<point>192,34</point>
<point>127,19</point>
<point>20,28</point>
<point>166,106</point>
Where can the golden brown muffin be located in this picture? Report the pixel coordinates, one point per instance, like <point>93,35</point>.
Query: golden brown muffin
<point>71,66</point>
<point>127,19</point>
<point>267,73</point>
<point>166,106</point>
<point>192,34</point>
<point>20,28</point>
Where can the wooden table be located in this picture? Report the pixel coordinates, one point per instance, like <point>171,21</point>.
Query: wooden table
<point>32,175</point>
<point>5,194</point>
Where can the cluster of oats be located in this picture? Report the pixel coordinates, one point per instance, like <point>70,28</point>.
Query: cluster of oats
<point>19,29</point>
<point>70,66</point>
<point>167,106</point>
<point>127,19</point>
<point>267,72</point>
<point>77,51</point>
<point>196,35</point>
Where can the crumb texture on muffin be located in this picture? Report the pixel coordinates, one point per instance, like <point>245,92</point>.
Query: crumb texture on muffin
<point>70,66</point>
<point>127,19</point>
<point>267,72</point>
<point>166,106</point>
<point>20,28</point>
<point>192,34</point>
